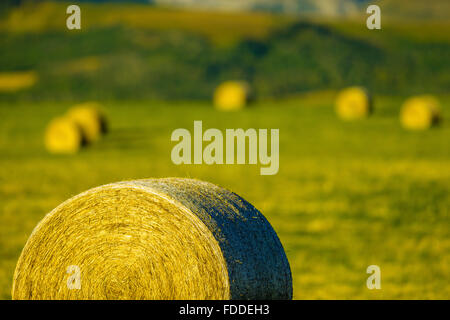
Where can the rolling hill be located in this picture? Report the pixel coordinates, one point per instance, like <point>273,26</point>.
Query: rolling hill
<point>139,51</point>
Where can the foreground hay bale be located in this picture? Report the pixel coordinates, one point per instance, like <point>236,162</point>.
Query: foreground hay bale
<point>420,113</point>
<point>154,239</point>
<point>90,119</point>
<point>231,95</point>
<point>63,136</point>
<point>353,103</point>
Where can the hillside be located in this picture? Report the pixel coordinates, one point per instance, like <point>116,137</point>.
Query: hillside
<point>139,51</point>
<point>416,9</point>
<point>397,9</point>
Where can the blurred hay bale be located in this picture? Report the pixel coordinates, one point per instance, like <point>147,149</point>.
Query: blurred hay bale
<point>83,65</point>
<point>154,239</point>
<point>353,103</point>
<point>232,95</point>
<point>420,113</point>
<point>89,117</point>
<point>15,81</point>
<point>63,136</point>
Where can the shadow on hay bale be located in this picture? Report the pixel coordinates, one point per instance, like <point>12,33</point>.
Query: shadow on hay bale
<point>154,239</point>
<point>420,113</point>
<point>91,120</point>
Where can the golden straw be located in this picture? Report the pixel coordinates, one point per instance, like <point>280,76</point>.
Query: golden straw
<point>154,239</point>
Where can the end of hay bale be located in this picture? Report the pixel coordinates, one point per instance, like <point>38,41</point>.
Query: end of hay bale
<point>63,136</point>
<point>90,119</point>
<point>154,239</point>
<point>232,95</point>
<point>353,103</point>
<point>420,113</point>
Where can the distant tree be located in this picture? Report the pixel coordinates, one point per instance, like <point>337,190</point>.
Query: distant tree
<point>11,2</point>
<point>7,4</point>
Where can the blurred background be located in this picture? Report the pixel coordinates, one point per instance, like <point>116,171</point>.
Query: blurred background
<point>348,194</point>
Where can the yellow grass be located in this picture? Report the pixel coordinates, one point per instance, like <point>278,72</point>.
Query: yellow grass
<point>89,64</point>
<point>348,194</point>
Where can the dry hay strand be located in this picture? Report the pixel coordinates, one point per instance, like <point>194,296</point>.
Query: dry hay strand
<point>15,81</point>
<point>154,239</point>
<point>353,103</point>
<point>63,136</point>
<point>232,95</point>
<point>420,113</point>
<point>90,118</point>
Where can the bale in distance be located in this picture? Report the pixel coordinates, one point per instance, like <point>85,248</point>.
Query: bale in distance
<point>63,136</point>
<point>90,118</point>
<point>232,95</point>
<point>420,113</point>
<point>353,103</point>
<point>154,239</point>
<point>18,80</point>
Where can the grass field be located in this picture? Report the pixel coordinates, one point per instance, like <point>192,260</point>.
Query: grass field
<point>347,195</point>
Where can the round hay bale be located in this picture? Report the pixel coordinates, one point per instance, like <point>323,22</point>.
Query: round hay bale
<point>231,95</point>
<point>353,103</point>
<point>154,239</point>
<point>18,80</point>
<point>63,136</point>
<point>420,113</point>
<point>90,118</point>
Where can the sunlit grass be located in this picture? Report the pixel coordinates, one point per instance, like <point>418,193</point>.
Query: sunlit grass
<point>347,195</point>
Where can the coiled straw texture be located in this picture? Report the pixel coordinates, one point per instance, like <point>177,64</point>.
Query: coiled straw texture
<point>154,239</point>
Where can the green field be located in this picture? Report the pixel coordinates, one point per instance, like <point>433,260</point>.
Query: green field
<point>347,195</point>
